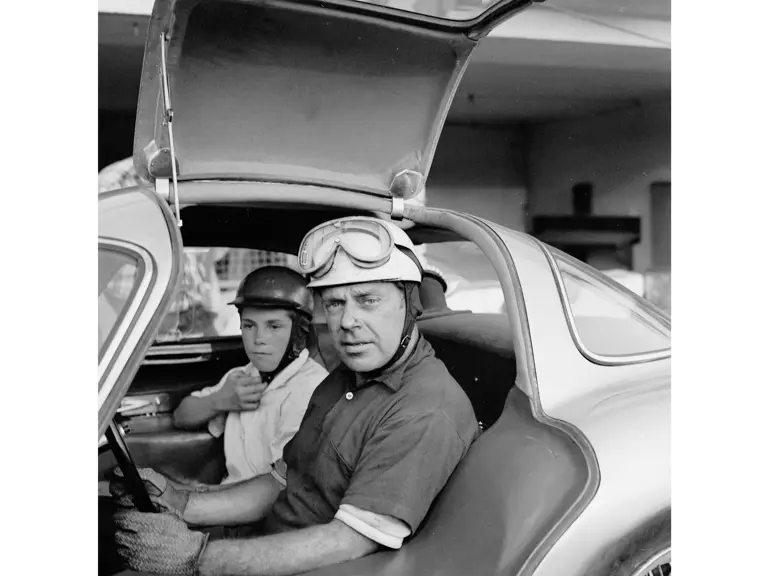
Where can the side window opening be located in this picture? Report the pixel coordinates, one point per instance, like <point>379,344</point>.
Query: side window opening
<point>210,277</point>
<point>609,321</point>
<point>471,281</point>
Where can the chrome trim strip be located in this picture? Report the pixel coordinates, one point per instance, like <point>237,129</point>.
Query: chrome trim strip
<point>115,349</point>
<point>180,349</point>
<point>602,360</point>
<point>663,556</point>
<point>174,361</point>
<point>398,204</point>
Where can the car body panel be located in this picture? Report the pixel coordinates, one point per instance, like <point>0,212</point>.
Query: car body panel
<point>630,434</point>
<point>156,238</point>
<point>342,94</point>
<point>623,411</point>
<point>563,372</point>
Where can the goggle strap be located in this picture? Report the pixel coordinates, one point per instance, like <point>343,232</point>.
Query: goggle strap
<point>408,252</point>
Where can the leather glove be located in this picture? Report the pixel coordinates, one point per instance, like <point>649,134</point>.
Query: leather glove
<point>165,495</point>
<point>158,543</point>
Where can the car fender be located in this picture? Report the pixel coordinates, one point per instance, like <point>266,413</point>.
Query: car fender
<point>629,430</point>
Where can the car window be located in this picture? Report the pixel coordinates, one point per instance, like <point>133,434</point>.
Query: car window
<point>210,277</point>
<point>119,274</point>
<point>609,320</point>
<point>471,279</point>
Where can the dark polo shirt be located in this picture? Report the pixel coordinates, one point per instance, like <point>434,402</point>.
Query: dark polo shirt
<point>387,446</point>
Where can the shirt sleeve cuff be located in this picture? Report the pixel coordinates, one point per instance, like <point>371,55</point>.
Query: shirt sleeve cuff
<point>217,424</point>
<point>278,472</point>
<point>385,530</point>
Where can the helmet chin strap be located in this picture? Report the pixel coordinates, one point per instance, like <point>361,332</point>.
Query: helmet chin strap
<point>290,354</point>
<point>412,311</point>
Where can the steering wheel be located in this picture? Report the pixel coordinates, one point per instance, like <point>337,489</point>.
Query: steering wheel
<point>116,441</point>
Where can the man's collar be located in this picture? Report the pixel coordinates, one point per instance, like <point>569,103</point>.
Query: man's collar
<point>393,378</point>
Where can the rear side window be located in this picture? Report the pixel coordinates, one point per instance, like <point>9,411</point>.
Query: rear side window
<point>119,275</point>
<point>610,320</point>
<point>209,280</point>
<point>471,281</point>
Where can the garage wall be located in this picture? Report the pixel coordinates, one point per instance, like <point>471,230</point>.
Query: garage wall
<point>480,170</point>
<point>622,153</point>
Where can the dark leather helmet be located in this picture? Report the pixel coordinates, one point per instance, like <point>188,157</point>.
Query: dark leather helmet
<point>275,287</point>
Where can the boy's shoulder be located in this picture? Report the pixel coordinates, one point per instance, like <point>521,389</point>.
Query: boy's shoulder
<point>313,372</point>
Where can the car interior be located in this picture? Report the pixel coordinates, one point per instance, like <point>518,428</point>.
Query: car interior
<point>542,468</point>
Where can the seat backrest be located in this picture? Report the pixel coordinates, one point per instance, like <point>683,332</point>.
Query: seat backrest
<point>515,483</point>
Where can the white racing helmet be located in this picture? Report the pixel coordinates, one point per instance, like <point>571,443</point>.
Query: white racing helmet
<point>358,249</point>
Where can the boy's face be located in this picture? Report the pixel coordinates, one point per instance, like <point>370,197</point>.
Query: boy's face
<point>266,333</point>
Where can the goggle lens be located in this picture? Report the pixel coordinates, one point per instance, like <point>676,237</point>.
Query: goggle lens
<point>367,242</point>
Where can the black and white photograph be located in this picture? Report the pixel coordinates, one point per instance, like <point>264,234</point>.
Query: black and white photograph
<point>385,288</point>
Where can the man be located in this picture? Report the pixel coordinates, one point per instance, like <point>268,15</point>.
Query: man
<point>380,438</point>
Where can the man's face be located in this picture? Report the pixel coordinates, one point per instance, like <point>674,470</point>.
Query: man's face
<point>366,322</point>
<point>266,333</point>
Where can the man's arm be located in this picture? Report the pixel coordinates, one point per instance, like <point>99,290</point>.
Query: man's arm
<point>287,553</point>
<point>233,505</point>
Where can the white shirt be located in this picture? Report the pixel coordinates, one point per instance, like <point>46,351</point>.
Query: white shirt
<point>255,439</point>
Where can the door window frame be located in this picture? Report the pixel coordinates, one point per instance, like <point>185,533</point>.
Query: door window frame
<point>603,359</point>
<point>146,273</point>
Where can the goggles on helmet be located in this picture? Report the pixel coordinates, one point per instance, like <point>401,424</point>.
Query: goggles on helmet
<point>366,241</point>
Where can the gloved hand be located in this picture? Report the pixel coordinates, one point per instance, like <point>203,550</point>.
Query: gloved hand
<point>165,495</point>
<point>158,543</point>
